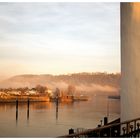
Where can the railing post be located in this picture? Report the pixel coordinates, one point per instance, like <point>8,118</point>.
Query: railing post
<point>110,132</point>
<point>105,120</point>
<point>71,131</point>
<point>99,132</point>
<point>127,128</point>
<point>138,125</point>
<point>135,127</point>
<point>124,130</point>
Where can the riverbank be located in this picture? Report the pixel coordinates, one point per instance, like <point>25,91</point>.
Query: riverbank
<point>24,98</point>
<point>41,98</point>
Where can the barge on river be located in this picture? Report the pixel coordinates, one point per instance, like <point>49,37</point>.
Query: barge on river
<point>70,98</point>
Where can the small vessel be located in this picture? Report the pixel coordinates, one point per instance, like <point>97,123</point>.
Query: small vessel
<point>67,98</point>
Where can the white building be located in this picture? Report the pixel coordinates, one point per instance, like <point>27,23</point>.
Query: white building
<point>31,92</point>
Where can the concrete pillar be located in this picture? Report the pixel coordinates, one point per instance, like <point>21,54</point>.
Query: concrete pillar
<point>130,60</point>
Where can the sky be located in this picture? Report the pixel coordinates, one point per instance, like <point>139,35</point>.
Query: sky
<point>59,38</point>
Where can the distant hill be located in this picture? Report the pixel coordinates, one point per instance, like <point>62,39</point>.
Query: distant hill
<point>82,81</point>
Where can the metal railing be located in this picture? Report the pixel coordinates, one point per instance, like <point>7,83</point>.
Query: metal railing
<point>130,128</point>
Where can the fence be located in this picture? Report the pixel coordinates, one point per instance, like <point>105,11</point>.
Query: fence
<point>127,129</point>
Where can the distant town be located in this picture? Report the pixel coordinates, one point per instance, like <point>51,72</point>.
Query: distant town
<point>40,93</point>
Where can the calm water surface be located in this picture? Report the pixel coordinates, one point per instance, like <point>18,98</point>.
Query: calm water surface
<point>46,121</point>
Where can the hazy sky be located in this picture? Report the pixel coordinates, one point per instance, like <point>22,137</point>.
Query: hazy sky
<point>57,38</point>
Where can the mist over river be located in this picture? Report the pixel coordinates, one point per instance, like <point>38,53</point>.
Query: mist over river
<point>46,121</point>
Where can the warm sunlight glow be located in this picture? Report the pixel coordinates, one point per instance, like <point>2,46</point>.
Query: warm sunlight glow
<point>59,38</point>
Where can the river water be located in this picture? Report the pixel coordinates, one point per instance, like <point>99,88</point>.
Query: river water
<point>45,120</point>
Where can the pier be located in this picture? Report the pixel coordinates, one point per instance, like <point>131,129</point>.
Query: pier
<point>28,109</point>
<point>16,109</point>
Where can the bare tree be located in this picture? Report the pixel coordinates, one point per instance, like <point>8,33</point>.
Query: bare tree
<point>57,92</point>
<point>40,89</point>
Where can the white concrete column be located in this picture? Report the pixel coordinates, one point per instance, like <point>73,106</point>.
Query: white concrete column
<point>130,61</point>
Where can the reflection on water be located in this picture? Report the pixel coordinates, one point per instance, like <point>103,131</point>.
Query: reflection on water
<point>50,119</point>
<point>16,116</point>
<point>28,107</point>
